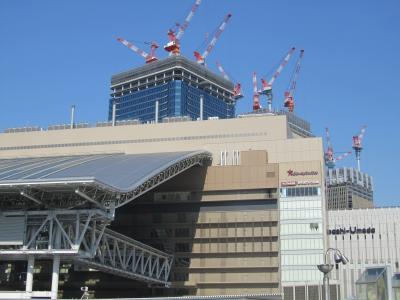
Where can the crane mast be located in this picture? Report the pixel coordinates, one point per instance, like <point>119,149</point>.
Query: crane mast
<point>201,57</point>
<point>148,57</point>
<point>329,155</point>
<point>357,146</point>
<point>237,89</point>
<point>173,46</point>
<point>267,86</point>
<point>289,94</point>
<point>256,95</point>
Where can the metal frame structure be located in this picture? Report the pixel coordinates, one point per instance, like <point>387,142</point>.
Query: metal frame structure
<point>81,236</point>
<point>88,192</point>
<point>66,218</point>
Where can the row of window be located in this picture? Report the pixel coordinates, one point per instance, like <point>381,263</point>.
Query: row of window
<point>300,191</point>
<point>301,214</point>
<point>306,228</point>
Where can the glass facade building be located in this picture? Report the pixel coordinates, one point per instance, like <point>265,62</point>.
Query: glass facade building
<point>177,84</point>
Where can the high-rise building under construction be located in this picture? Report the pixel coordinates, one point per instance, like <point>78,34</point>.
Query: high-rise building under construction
<point>348,188</point>
<point>172,87</point>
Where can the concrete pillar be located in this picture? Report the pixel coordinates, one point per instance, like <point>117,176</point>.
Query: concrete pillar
<point>201,107</point>
<point>29,274</point>
<point>54,277</point>
<point>114,108</point>
<point>156,112</point>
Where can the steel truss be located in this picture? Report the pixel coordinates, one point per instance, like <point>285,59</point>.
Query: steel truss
<point>81,236</point>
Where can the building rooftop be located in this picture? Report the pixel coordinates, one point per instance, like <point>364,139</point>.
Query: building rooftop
<point>170,63</point>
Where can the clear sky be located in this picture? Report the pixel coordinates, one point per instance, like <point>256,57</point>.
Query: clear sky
<point>58,53</point>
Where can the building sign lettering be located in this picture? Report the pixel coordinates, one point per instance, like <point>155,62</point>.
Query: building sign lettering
<point>297,183</point>
<point>301,173</point>
<point>352,230</point>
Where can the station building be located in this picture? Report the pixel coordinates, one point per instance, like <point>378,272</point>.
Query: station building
<point>240,224</point>
<point>370,238</point>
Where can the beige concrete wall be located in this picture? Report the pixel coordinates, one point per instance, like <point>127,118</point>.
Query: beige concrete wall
<point>301,173</point>
<point>260,133</point>
<point>241,177</point>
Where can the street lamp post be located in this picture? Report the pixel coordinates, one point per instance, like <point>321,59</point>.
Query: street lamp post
<point>325,268</point>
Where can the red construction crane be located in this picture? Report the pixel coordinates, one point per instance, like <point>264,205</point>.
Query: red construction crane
<point>201,57</point>
<point>256,95</point>
<point>148,57</point>
<point>289,94</point>
<point>330,159</point>
<point>237,90</point>
<point>173,46</point>
<point>357,146</point>
<point>267,86</point>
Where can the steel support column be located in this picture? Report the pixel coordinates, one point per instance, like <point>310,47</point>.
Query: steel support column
<point>29,274</point>
<point>54,277</point>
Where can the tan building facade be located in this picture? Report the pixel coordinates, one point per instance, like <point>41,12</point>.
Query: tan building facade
<point>229,224</point>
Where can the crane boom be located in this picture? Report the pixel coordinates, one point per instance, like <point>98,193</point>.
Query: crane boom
<point>330,159</point>
<point>201,57</point>
<point>237,89</point>
<point>221,69</point>
<point>289,94</point>
<point>267,86</point>
<point>340,157</point>
<point>173,46</point>
<point>148,57</point>
<point>256,95</point>
<point>187,20</point>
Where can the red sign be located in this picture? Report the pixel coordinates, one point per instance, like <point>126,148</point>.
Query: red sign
<point>302,173</point>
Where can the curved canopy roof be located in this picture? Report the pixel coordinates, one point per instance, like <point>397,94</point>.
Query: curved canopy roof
<point>95,178</point>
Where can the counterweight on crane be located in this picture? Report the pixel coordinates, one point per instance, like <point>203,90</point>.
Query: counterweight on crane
<point>267,86</point>
<point>148,57</point>
<point>289,94</point>
<point>256,95</point>
<point>329,156</point>
<point>201,57</point>
<point>237,90</point>
<point>357,146</point>
<point>173,46</point>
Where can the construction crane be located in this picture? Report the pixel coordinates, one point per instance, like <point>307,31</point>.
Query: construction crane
<point>357,146</point>
<point>256,95</point>
<point>289,94</point>
<point>237,89</point>
<point>148,57</point>
<point>201,57</point>
<point>267,86</point>
<point>329,156</point>
<point>173,46</point>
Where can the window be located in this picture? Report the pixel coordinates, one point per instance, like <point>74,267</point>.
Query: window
<point>182,247</point>
<point>182,232</point>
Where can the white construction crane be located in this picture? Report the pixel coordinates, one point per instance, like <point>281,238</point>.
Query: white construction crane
<point>148,57</point>
<point>202,57</point>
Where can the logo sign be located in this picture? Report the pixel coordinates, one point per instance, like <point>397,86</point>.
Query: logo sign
<point>351,230</point>
<point>301,173</point>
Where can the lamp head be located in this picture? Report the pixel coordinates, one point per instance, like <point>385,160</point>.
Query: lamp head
<point>340,258</point>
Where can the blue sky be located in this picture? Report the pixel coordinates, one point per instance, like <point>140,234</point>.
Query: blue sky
<point>58,53</point>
